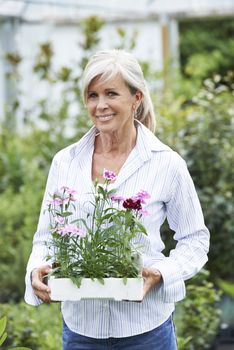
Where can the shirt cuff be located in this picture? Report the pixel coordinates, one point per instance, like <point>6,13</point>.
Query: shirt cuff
<point>29,296</point>
<point>173,286</point>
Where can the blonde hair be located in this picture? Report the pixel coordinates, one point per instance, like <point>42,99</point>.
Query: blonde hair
<point>110,63</point>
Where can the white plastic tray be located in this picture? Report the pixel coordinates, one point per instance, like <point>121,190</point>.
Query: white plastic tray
<point>63,289</point>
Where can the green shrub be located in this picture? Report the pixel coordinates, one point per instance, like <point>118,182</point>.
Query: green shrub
<point>197,316</point>
<point>208,146</point>
<point>3,334</point>
<point>38,328</point>
<point>202,132</point>
<point>18,218</point>
<point>207,47</point>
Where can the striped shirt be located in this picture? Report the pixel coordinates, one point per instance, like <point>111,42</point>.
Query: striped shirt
<point>155,168</point>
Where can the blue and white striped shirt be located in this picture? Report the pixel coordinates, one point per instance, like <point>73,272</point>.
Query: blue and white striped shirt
<point>155,168</point>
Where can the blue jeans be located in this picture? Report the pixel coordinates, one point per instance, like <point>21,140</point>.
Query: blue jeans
<point>160,338</point>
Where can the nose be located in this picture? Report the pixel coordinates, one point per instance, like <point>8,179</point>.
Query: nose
<point>101,103</point>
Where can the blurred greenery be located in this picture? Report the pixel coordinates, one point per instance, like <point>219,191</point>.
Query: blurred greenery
<point>207,47</point>
<point>3,334</point>
<point>196,313</point>
<point>202,132</point>
<point>37,328</point>
<point>195,114</point>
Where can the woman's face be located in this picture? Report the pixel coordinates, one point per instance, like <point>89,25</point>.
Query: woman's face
<point>111,104</point>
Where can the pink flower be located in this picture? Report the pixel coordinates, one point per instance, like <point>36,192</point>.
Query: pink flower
<point>71,192</point>
<point>68,190</point>
<point>82,233</point>
<point>56,201</point>
<point>142,195</point>
<point>116,198</point>
<point>68,228</point>
<point>109,175</point>
<point>72,230</point>
<point>60,220</point>
<point>69,199</point>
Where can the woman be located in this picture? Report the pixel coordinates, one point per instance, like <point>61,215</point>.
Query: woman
<point>118,101</point>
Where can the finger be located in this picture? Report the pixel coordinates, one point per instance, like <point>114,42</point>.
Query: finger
<point>38,278</point>
<point>40,286</point>
<point>44,271</point>
<point>145,272</point>
<point>45,297</point>
<point>146,288</point>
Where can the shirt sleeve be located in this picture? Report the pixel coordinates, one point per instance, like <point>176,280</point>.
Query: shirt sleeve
<point>184,215</point>
<point>39,249</point>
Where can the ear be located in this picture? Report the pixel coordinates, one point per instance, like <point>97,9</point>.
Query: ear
<point>138,98</point>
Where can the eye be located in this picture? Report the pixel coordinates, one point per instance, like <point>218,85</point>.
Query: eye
<point>92,95</point>
<point>112,93</point>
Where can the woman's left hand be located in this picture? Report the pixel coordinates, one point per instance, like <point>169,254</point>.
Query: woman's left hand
<point>151,277</point>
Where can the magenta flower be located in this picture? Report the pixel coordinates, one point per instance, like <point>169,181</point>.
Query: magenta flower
<point>132,203</point>
<point>142,195</point>
<point>116,198</point>
<point>109,174</point>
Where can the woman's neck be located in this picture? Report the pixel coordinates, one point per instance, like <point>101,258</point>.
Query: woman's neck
<point>115,144</point>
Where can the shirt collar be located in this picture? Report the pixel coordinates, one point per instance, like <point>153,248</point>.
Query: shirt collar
<point>146,142</point>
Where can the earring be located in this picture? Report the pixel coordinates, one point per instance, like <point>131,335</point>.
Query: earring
<point>134,111</point>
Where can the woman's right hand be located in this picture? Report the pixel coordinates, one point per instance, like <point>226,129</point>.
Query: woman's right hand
<point>40,288</point>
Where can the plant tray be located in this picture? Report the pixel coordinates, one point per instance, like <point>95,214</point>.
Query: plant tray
<point>63,289</point>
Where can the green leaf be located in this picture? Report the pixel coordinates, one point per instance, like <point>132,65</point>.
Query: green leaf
<point>3,338</point>
<point>141,228</point>
<point>227,287</point>
<point>64,215</point>
<point>76,280</point>
<point>101,191</point>
<point>3,322</point>
<point>125,280</point>
<point>101,280</point>
<point>112,191</point>
<point>128,217</point>
<point>106,217</point>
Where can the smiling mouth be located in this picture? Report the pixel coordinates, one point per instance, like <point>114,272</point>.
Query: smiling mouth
<point>105,117</point>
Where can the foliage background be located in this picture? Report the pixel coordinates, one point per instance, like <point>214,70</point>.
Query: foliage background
<point>195,116</point>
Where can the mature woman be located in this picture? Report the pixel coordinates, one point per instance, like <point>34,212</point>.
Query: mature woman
<point>122,140</point>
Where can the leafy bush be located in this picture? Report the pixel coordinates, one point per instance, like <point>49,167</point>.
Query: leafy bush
<point>38,328</point>
<point>197,317</point>
<point>207,144</point>
<point>207,47</point>
<point>202,132</point>
<point>3,334</point>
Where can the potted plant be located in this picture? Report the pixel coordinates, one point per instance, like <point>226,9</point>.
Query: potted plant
<point>96,257</point>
